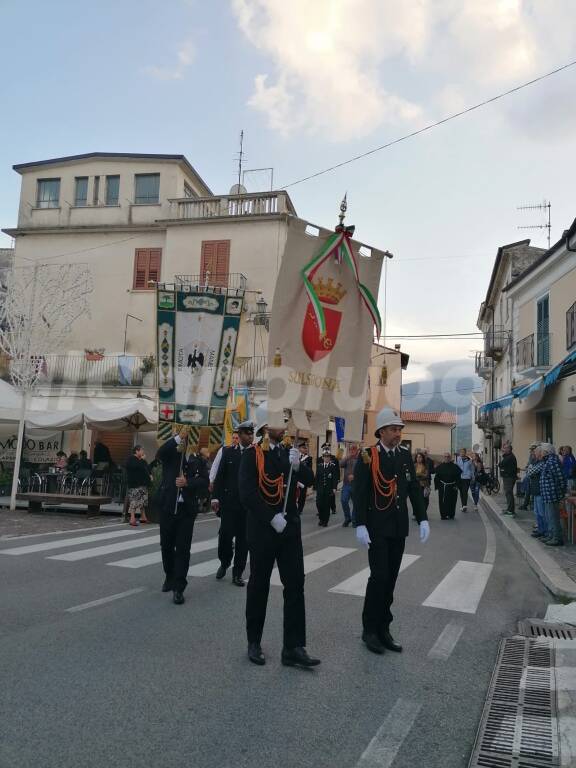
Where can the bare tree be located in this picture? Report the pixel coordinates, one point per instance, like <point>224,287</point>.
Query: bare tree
<point>38,307</point>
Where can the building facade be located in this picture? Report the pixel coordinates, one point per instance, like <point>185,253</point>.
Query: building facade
<point>432,431</point>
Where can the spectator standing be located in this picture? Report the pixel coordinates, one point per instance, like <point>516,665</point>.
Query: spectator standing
<point>447,483</point>
<point>347,465</point>
<point>467,476</point>
<point>508,467</point>
<point>568,466</point>
<point>301,489</point>
<point>533,472</point>
<point>423,476</point>
<point>137,481</point>
<point>553,490</point>
<point>478,477</point>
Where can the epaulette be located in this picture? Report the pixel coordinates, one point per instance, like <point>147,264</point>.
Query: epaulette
<point>404,447</point>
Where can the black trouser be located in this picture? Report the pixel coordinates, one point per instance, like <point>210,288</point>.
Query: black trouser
<point>464,488</point>
<point>509,483</point>
<point>285,549</point>
<point>301,499</point>
<point>232,540</point>
<point>385,558</point>
<point>324,505</point>
<point>333,503</point>
<point>175,540</point>
<point>447,497</point>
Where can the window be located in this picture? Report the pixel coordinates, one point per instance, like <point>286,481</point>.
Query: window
<point>188,191</point>
<point>543,331</point>
<point>544,424</point>
<point>215,262</point>
<point>571,326</point>
<point>147,188</point>
<point>112,190</point>
<point>81,190</point>
<point>96,191</point>
<point>147,263</point>
<point>48,193</point>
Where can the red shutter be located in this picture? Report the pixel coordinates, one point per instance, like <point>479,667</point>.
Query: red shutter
<point>147,266</point>
<point>215,259</point>
<point>154,265</point>
<point>119,444</point>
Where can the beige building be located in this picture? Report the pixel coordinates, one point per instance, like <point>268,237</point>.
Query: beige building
<point>429,430</point>
<point>137,220</point>
<point>539,401</point>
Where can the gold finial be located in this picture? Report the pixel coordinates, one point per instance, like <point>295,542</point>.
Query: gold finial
<point>277,362</point>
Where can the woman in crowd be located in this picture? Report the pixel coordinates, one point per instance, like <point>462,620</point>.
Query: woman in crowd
<point>423,476</point>
<point>479,474</point>
<point>568,465</point>
<point>137,480</point>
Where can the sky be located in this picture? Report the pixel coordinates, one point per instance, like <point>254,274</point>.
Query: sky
<point>312,84</point>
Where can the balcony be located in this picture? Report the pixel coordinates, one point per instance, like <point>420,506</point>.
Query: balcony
<point>250,372</point>
<point>493,421</point>
<point>231,206</point>
<point>234,282</point>
<point>483,365</point>
<point>533,354</point>
<point>108,371</point>
<point>495,342</point>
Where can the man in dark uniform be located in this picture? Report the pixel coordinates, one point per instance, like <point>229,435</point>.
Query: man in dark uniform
<point>225,500</point>
<point>183,477</point>
<point>305,461</point>
<point>447,483</point>
<point>384,477</point>
<point>327,477</point>
<point>274,537</point>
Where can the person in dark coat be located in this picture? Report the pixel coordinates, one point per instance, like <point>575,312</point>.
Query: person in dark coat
<point>183,477</point>
<point>226,503</point>
<point>326,483</point>
<point>137,481</point>
<point>508,466</point>
<point>274,537</point>
<point>447,483</point>
<point>384,478</point>
<point>305,461</point>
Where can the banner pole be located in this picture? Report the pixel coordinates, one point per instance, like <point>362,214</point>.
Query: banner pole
<point>296,438</point>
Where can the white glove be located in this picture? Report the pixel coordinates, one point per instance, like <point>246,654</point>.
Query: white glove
<point>424,531</point>
<point>362,535</point>
<point>294,458</point>
<point>278,522</point>
<point>300,485</point>
<point>215,504</point>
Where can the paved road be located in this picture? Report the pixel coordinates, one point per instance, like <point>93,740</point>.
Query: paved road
<point>137,681</point>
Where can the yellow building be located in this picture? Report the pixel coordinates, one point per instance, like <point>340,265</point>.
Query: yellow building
<point>428,430</point>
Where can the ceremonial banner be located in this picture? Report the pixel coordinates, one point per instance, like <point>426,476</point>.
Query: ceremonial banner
<point>236,413</point>
<point>324,316</point>
<point>197,336</point>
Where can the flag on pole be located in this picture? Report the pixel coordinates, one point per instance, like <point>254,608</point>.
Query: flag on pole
<point>324,317</point>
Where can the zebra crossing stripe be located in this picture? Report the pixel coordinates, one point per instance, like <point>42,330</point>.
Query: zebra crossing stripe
<point>46,546</point>
<point>207,568</point>
<point>85,554</point>
<point>462,588</point>
<point>356,585</point>
<point>156,557</point>
<point>317,560</point>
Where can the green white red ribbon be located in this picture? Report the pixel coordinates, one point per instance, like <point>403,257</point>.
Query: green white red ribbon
<point>338,243</point>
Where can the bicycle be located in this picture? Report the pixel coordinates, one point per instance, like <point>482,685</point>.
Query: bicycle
<point>490,483</point>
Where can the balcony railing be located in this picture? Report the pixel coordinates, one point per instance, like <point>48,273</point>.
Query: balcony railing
<point>236,206</point>
<point>234,282</point>
<point>525,353</point>
<point>483,365</point>
<point>251,373</point>
<point>78,371</point>
<point>533,351</point>
<point>491,421</point>
<point>495,342</point>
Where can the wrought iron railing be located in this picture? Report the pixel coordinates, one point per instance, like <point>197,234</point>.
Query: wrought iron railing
<point>495,341</point>
<point>251,373</point>
<point>483,365</point>
<point>233,281</point>
<point>92,370</point>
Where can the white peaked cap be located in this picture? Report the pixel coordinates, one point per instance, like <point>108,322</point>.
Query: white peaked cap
<point>387,417</point>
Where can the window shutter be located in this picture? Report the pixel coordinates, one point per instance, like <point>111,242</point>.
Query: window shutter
<point>154,265</point>
<point>141,261</point>
<point>215,258</point>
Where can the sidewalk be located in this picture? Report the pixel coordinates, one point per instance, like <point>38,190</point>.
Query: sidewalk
<point>554,566</point>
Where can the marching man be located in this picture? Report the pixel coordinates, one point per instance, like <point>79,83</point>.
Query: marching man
<point>384,477</point>
<point>274,538</point>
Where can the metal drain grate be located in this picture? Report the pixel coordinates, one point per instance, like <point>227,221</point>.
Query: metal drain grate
<point>537,628</point>
<point>519,728</point>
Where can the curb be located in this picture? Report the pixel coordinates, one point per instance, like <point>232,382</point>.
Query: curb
<point>544,566</point>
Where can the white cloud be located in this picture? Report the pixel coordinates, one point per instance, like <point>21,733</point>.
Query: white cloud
<point>184,58</point>
<point>344,68</point>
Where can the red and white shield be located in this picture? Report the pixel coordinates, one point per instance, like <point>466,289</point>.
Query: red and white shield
<point>318,346</point>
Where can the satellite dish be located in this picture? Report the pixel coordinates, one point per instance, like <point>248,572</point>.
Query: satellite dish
<point>238,189</point>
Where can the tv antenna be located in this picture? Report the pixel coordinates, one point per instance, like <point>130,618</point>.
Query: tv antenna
<point>545,206</point>
<point>240,158</point>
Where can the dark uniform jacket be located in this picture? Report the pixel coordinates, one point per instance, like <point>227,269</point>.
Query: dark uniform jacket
<point>393,521</point>
<point>195,471</point>
<point>226,481</point>
<point>327,478</point>
<point>260,514</point>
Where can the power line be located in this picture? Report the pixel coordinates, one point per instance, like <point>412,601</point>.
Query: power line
<point>431,125</point>
<point>84,250</point>
<point>463,390</point>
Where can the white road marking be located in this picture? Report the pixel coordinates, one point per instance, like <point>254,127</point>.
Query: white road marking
<point>207,568</point>
<point>45,546</point>
<point>446,642</point>
<point>85,554</point>
<point>490,552</point>
<point>316,560</point>
<point>382,750</point>
<point>462,588</point>
<point>104,600</point>
<point>156,557</point>
<point>9,537</point>
<point>356,585</point>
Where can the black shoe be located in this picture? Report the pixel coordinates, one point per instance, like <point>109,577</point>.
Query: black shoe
<point>239,581</point>
<point>388,642</point>
<point>554,543</point>
<point>178,598</point>
<point>346,523</point>
<point>255,654</point>
<point>298,657</point>
<point>372,642</point>
<point>167,586</point>
<point>221,572</point>
<point>537,535</point>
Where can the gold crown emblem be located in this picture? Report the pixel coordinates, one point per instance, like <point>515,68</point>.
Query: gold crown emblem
<point>329,291</point>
